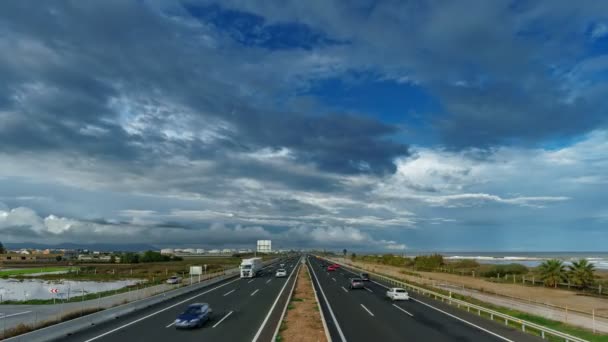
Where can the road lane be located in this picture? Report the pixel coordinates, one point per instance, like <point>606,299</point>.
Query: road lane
<point>237,314</point>
<point>401,320</point>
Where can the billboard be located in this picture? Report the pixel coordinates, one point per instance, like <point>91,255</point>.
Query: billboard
<point>196,270</point>
<point>264,246</point>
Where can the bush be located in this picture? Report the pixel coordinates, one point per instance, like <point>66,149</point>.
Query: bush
<point>463,264</point>
<point>428,262</point>
<point>505,269</point>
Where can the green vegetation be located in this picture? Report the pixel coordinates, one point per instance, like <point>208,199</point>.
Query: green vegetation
<point>387,259</point>
<point>24,271</point>
<point>581,273</point>
<point>501,270</point>
<point>147,256</point>
<point>428,262</point>
<point>553,272</point>
<point>464,264</point>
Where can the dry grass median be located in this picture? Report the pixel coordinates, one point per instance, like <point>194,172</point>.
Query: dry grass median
<point>302,323</point>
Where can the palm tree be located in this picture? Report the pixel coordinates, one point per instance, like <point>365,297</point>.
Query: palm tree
<point>581,273</point>
<point>552,272</point>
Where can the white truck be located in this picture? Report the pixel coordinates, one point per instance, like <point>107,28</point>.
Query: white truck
<point>250,267</point>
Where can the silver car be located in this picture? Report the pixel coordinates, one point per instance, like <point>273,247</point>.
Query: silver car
<point>356,283</point>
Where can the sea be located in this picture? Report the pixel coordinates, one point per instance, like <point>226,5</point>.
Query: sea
<point>530,259</point>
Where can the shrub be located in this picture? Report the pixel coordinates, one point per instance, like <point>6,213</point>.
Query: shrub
<point>505,269</point>
<point>464,264</point>
<point>428,262</point>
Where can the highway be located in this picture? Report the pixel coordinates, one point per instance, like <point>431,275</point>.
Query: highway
<point>241,312</point>
<point>366,315</point>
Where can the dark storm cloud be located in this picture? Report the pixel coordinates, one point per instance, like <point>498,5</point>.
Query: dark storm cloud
<point>510,60</point>
<point>100,52</point>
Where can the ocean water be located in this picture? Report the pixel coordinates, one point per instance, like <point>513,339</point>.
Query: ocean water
<point>530,259</point>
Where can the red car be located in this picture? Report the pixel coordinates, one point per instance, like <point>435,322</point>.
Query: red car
<point>332,268</point>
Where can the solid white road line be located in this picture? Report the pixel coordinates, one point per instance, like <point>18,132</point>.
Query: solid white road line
<point>331,312</point>
<point>254,292</point>
<point>402,309</point>
<point>251,281</point>
<point>345,290</point>
<point>159,311</point>
<point>229,292</point>
<point>366,309</point>
<point>221,320</point>
<point>453,316</point>
<point>368,289</point>
<point>170,325</point>
<point>257,335</point>
<point>15,314</point>
<point>464,321</point>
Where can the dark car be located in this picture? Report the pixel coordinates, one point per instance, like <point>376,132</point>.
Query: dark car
<point>364,276</point>
<point>195,316</point>
<point>356,283</point>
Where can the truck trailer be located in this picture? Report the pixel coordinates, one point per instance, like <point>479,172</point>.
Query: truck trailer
<point>250,267</point>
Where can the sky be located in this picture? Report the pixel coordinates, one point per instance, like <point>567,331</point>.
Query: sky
<point>389,126</point>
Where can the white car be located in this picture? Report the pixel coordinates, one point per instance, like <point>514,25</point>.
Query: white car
<point>281,273</point>
<point>397,293</point>
<point>174,280</point>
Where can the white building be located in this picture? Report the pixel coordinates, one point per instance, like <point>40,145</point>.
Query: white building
<point>167,251</point>
<point>200,251</point>
<point>264,246</point>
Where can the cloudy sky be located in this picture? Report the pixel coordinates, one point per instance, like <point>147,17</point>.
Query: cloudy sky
<point>367,125</point>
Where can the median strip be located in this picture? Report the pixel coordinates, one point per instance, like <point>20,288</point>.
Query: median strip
<point>303,320</point>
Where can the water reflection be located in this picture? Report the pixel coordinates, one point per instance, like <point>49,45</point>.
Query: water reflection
<point>19,290</point>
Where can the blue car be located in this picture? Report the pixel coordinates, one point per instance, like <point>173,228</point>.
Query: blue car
<point>195,316</point>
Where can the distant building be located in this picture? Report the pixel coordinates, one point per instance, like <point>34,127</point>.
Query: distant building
<point>200,251</point>
<point>189,251</point>
<point>214,251</point>
<point>167,251</point>
<point>264,246</point>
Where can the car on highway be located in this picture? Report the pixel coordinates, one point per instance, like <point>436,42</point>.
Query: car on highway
<point>331,268</point>
<point>364,276</point>
<point>194,317</point>
<point>356,283</point>
<point>397,293</point>
<point>281,272</point>
<point>174,280</point>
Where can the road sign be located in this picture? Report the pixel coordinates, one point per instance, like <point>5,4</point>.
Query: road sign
<point>196,270</point>
<point>55,291</point>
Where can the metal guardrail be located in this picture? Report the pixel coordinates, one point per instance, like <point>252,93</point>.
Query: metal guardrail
<point>544,331</point>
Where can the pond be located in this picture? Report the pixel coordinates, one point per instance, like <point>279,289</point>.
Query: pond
<point>27,289</point>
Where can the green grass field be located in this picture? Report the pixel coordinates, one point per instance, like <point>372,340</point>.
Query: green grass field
<point>24,271</point>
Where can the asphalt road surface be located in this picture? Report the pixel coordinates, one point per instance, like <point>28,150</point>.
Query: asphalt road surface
<point>366,315</point>
<point>240,308</point>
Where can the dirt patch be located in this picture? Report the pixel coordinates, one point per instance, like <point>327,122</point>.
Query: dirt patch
<point>554,297</point>
<point>302,323</point>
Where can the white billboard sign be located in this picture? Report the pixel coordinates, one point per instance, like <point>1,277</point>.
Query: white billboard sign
<point>196,270</point>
